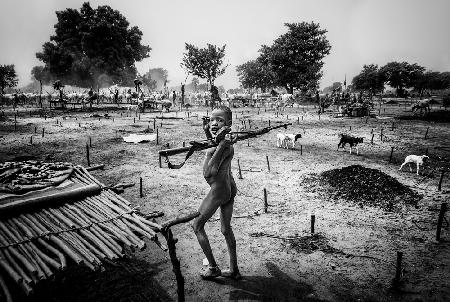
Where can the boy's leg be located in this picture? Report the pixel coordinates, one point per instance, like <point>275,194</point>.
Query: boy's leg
<point>226,212</point>
<point>207,209</point>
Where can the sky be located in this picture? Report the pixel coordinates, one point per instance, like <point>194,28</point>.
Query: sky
<point>360,32</point>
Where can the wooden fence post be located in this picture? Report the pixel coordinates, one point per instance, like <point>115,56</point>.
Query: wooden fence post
<point>440,220</point>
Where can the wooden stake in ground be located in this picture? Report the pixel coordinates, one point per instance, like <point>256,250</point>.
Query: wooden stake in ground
<point>441,179</point>
<point>313,221</point>
<point>266,205</point>
<point>87,155</point>
<point>239,170</point>
<point>371,141</point>
<point>43,130</point>
<point>426,133</point>
<point>140,188</point>
<point>390,157</point>
<point>268,164</point>
<point>398,269</point>
<point>157,136</point>
<point>440,220</point>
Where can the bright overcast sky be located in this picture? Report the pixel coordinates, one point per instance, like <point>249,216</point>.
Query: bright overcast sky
<point>360,31</point>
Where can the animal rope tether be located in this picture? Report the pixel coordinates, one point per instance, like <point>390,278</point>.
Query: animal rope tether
<point>206,144</point>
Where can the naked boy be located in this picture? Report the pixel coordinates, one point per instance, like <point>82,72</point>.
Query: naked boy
<point>217,173</point>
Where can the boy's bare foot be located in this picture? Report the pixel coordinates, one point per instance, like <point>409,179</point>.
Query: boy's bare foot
<point>211,273</point>
<point>232,275</point>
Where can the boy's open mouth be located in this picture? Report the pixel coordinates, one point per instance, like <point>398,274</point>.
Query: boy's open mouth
<point>214,130</point>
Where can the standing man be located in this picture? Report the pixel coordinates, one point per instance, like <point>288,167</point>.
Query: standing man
<point>174,97</point>
<point>182,94</point>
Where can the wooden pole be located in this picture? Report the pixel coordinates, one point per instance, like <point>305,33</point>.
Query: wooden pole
<point>157,136</point>
<point>441,179</point>
<point>175,263</point>
<point>154,123</point>
<point>266,205</point>
<point>239,170</point>
<point>390,157</point>
<point>301,149</point>
<point>87,155</point>
<point>313,221</point>
<point>426,133</point>
<point>440,220</point>
<point>140,188</point>
<point>381,135</point>
<point>398,268</point>
<point>90,142</point>
<point>43,130</point>
<point>268,164</point>
<point>371,141</point>
<point>160,164</point>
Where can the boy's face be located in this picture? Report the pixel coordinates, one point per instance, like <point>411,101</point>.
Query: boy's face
<point>218,119</point>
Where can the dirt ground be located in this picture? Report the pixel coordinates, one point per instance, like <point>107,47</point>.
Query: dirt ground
<point>351,256</point>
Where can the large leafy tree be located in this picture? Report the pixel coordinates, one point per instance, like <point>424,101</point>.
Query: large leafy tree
<point>205,63</point>
<point>296,57</point>
<point>401,75</point>
<point>8,77</point>
<point>370,79</point>
<point>432,80</point>
<point>93,43</point>
<point>255,74</point>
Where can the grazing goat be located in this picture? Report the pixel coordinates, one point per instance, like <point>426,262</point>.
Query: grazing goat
<point>287,140</point>
<point>352,141</point>
<point>410,159</point>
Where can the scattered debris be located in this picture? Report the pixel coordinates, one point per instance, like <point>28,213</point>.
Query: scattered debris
<point>139,138</point>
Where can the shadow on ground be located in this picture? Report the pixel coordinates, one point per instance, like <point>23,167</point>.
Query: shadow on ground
<point>278,287</point>
<point>125,280</point>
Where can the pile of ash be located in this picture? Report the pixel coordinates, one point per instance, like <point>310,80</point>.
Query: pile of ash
<point>310,244</point>
<point>365,187</point>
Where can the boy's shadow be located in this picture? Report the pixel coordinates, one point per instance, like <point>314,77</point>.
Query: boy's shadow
<point>278,287</point>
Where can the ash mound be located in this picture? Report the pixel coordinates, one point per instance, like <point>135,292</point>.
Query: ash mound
<point>367,187</point>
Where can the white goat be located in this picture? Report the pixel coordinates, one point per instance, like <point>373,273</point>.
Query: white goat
<point>410,159</point>
<point>287,140</point>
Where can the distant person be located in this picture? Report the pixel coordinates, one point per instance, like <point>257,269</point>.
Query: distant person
<point>174,97</point>
<point>182,94</point>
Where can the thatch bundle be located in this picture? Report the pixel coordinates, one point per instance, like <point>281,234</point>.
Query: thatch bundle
<point>37,241</point>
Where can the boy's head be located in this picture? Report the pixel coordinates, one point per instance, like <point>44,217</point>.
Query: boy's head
<point>220,117</point>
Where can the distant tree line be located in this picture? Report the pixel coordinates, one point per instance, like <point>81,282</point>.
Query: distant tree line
<point>400,76</point>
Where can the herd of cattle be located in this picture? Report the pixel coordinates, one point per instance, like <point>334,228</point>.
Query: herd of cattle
<point>127,95</point>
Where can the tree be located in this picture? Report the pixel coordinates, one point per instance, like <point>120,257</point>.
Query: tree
<point>8,77</point>
<point>401,75</point>
<point>205,63</point>
<point>336,86</point>
<point>159,75</point>
<point>40,74</point>
<point>255,74</point>
<point>149,82</point>
<point>296,57</point>
<point>194,84</point>
<point>91,43</point>
<point>370,79</point>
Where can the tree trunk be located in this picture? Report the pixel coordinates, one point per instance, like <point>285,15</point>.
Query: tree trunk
<point>40,94</point>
